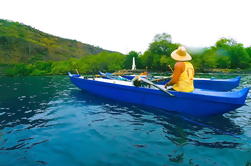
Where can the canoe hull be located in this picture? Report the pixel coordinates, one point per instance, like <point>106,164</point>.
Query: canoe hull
<point>186,103</point>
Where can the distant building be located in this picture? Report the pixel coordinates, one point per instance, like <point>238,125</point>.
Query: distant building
<point>133,64</point>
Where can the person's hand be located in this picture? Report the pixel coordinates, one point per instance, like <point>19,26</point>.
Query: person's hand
<point>166,85</point>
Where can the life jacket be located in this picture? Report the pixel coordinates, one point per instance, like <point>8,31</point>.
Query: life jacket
<point>185,82</point>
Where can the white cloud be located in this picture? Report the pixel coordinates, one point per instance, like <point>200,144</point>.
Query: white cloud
<point>124,25</point>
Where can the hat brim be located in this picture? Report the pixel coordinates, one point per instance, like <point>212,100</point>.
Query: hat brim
<point>177,57</point>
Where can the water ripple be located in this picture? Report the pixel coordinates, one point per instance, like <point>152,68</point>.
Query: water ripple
<point>48,121</point>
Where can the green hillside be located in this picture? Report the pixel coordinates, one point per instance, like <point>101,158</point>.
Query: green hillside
<point>20,43</point>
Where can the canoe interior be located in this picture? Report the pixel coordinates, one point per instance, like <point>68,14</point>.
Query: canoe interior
<point>209,84</point>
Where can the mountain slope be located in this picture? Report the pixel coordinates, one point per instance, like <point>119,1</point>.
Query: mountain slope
<point>20,43</point>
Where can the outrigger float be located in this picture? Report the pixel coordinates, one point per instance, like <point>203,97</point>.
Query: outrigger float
<point>200,102</point>
<point>207,83</point>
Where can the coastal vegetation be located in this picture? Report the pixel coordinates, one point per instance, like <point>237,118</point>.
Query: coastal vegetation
<point>104,61</point>
<point>226,55</point>
<point>27,51</point>
<point>20,43</point>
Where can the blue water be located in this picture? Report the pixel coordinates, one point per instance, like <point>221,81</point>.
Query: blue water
<point>48,121</point>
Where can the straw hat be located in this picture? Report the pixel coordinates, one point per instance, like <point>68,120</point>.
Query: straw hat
<point>181,54</point>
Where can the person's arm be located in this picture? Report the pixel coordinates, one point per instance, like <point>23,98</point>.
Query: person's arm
<point>179,68</point>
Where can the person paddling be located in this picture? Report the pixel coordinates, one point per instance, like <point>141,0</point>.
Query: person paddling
<point>183,74</point>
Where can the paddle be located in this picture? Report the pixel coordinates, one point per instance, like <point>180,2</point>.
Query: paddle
<point>156,86</point>
<point>110,76</point>
<point>77,71</point>
<point>158,79</point>
<point>170,68</point>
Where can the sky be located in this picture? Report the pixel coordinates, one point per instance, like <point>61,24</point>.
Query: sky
<point>126,25</point>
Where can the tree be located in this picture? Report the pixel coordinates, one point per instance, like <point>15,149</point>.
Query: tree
<point>157,56</point>
<point>233,52</point>
<point>225,42</point>
<point>163,36</point>
<point>248,49</point>
<point>239,57</point>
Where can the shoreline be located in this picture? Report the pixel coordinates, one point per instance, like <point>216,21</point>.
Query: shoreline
<point>215,71</point>
<point>211,72</point>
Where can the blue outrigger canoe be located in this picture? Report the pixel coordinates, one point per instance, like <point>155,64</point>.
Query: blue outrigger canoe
<point>197,103</point>
<point>209,84</point>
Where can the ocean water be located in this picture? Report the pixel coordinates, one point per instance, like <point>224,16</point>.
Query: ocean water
<point>48,121</point>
